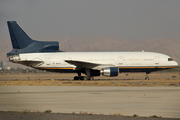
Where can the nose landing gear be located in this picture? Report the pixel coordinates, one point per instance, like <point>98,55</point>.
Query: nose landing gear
<point>147,75</point>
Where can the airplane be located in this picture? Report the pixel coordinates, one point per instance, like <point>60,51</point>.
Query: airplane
<point>45,55</point>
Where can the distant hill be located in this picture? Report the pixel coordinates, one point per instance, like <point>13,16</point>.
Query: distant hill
<point>169,46</point>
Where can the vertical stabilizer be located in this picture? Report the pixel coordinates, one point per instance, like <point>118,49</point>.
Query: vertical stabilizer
<point>19,38</point>
<point>22,43</point>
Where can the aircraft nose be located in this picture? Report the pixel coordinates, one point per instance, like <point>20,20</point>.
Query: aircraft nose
<point>175,63</point>
<point>172,63</point>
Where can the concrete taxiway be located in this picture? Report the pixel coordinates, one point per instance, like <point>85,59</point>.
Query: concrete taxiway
<point>143,101</point>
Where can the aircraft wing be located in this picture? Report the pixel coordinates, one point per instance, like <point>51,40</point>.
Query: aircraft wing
<point>89,65</point>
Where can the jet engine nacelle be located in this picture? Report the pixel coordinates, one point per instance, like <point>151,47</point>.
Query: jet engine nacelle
<point>110,72</point>
<point>14,58</point>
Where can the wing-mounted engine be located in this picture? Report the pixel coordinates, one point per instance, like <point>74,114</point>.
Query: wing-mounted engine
<point>95,69</point>
<point>110,72</point>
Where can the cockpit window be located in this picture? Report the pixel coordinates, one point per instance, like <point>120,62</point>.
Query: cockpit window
<point>170,59</point>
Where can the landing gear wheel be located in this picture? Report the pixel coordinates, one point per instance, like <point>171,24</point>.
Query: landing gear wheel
<point>147,75</point>
<point>90,78</point>
<point>76,78</point>
<point>81,77</point>
<point>85,78</point>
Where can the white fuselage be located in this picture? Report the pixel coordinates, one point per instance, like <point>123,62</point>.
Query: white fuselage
<point>123,60</point>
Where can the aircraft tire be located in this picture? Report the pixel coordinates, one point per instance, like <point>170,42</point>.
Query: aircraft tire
<point>91,78</point>
<point>81,78</point>
<point>85,78</point>
<point>76,78</point>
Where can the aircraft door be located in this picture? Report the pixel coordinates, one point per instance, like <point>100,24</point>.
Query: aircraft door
<point>156,59</point>
<point>120,60</point>
<point>48,61</point>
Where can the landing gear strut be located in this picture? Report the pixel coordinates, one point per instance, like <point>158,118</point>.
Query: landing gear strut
<point>147,75</point>
<point>78,77</point>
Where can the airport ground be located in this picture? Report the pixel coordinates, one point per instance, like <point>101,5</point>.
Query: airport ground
<point>37,92</point>
<point>124,79</point>
<point>94,100</point>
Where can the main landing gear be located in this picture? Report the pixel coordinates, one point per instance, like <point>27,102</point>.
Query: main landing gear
<point>83,78</point>
<point>79,77</point>
<point>147,75</point>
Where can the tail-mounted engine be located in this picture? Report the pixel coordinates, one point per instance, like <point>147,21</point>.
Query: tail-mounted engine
<point>14,58</point>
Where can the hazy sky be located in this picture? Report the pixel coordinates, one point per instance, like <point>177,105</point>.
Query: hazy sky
<point>124,19</point>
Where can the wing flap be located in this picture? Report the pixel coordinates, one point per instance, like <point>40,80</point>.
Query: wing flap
<point>89,65</point>
<point>82,64</point>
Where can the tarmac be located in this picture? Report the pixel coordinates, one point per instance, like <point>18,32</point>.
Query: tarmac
<point>142,101</point>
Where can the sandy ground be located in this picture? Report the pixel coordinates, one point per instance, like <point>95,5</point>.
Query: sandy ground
<point>124,79</point>
<point>68,76</point>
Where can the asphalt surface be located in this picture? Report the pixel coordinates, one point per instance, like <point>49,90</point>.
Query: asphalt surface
<point>65,116</point>
<point>126,101</point>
